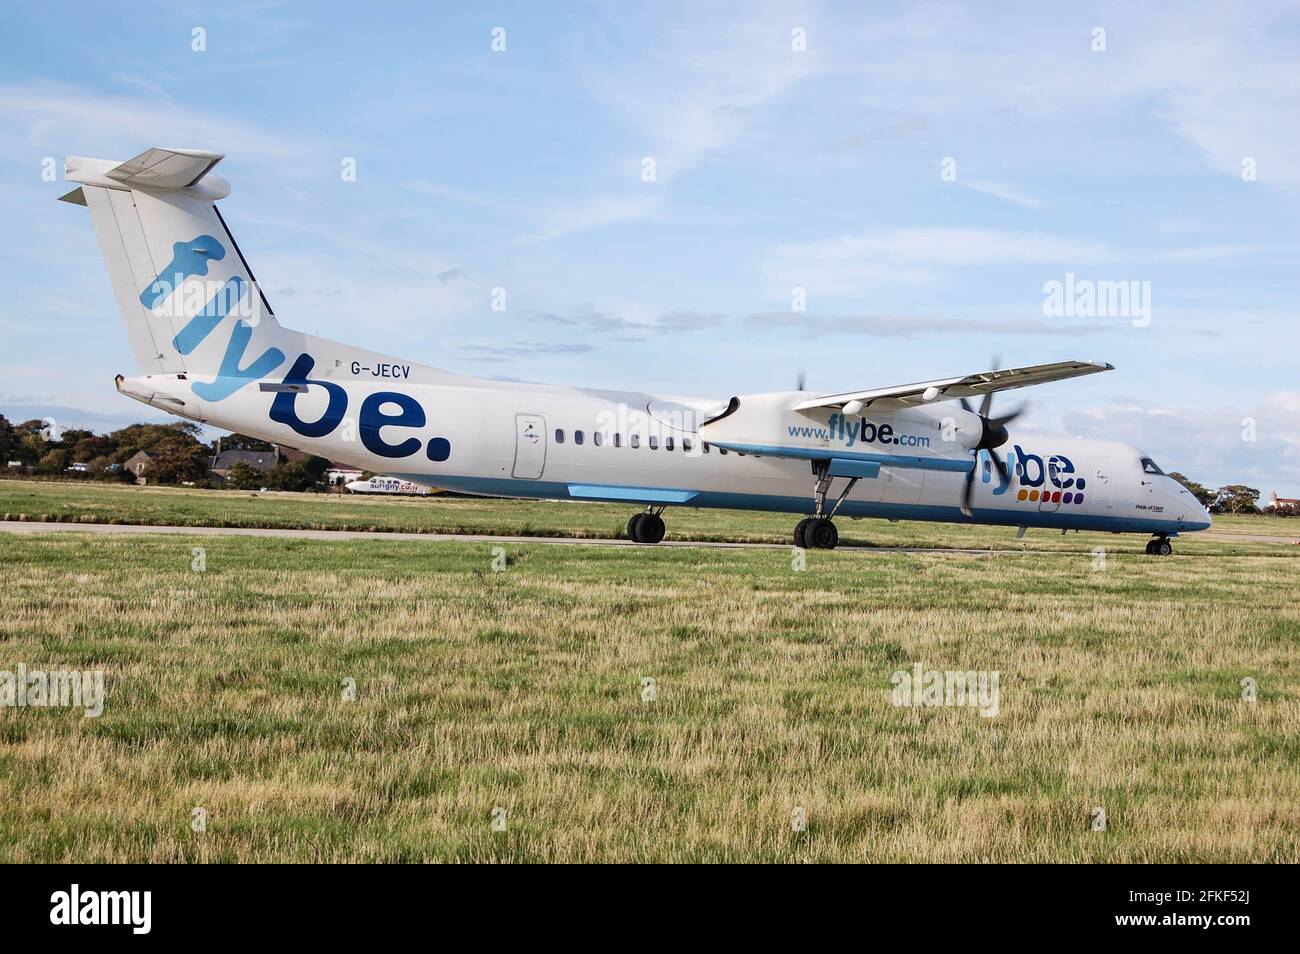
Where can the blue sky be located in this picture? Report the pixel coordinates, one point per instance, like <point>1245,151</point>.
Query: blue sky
<point>775,168</point>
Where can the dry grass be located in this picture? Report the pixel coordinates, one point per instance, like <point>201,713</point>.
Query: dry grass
<point>521,689</point>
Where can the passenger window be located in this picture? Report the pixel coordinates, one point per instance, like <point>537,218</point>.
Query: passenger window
<point>705,447</point>
<point>577,437</point>
<point>722,451</point>
<point>686,445</point>
<point>597,438</point>
<point>559,436</point>
<point>635,440</point>
<point>668,443</point>
<point>654,442</point>
<point>618,440</point>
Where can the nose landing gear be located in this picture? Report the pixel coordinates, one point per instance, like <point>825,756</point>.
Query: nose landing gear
<point>1160,546</point>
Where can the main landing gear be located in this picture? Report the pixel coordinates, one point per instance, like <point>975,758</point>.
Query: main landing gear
<point>647,526</point>
<point>818,532</point>
<point>1160,546</point>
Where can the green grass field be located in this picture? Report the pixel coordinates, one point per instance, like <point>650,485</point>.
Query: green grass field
<point>1120,688</point>
<point>94,502</point>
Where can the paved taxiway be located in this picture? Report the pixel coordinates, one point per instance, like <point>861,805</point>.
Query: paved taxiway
<point>34,526</point>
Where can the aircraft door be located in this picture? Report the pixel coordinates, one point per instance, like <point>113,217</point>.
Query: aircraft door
<point>530,446</point>
<point>1050,499</point>
<point>1101,487</point>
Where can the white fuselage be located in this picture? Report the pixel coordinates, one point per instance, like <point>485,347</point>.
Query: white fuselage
<point>508,439</point>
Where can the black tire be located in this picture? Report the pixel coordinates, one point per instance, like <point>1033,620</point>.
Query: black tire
<point>822,534</point>
<point>1151,548</point>
<point>651,528</point>
<point>1164,548</point>
<point>799,528</point>
<point>634,527</point>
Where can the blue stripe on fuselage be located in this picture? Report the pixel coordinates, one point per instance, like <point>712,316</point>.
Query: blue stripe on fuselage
<point>1057,520</point>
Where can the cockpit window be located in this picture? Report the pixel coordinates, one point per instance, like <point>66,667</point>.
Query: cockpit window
<point>1149,466</point>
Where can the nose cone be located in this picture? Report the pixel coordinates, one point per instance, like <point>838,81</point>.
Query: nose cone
<point>992,434</point>
<point>1203,522</point>
<point>1196,517</point>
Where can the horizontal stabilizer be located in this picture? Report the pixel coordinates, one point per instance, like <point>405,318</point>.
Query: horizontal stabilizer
<point>161,169</point>
<point>165,168</point>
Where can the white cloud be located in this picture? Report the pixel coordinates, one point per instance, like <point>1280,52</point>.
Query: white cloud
<point>1004,191</point>
<point>59,119</point>
<point>558,216</point>
<point>906,326</point>
<point>698,87</point>
<point>851,263</point>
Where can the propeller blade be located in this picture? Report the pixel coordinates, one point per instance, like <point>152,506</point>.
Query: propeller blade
<point>988,397</point>
<point>1008,418</point>
<point>1000,464</point>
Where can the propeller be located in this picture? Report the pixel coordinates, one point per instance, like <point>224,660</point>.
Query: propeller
<point>994,435</point>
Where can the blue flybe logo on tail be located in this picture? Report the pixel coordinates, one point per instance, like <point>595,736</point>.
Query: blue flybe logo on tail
<point>189,259</point>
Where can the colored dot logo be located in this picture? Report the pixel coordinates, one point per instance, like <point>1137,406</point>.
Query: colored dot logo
<point>1050,496</point>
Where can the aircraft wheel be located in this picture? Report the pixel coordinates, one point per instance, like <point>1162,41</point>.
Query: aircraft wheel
<point>1163,548</point>
<point>634,527</point>
<point>799,528</point>
<point>651,529</point>
<point>1151,548</point>
<point>820,534</point>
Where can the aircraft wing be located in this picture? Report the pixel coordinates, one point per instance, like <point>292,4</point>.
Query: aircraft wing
<point>946,389</point>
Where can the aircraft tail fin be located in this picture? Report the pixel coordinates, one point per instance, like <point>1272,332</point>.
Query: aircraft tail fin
<point>175,268</point>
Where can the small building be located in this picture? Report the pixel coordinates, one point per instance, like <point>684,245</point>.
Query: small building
<point>258,460</point>
<point>1287,505</point>
<point>138,462</point>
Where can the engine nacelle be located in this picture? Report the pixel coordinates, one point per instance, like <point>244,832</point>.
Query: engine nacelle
<point>767,425</point>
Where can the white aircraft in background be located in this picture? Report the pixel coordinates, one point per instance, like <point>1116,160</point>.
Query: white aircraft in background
<point>210,349</point>
<point>388,485</point>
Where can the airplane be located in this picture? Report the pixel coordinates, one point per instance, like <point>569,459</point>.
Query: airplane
<point>387,485</point>
<point>210,349</point>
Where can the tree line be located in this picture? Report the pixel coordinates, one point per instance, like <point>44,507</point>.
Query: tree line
<point>177,456</point>
<point>1230,498</point>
